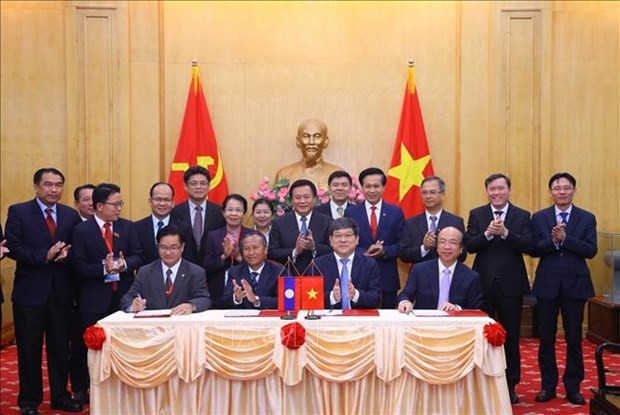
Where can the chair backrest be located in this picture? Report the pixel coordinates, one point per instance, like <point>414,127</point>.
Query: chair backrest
<point>600,367</point>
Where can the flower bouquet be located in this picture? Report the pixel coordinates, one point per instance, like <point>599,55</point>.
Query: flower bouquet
<point>280,198</point>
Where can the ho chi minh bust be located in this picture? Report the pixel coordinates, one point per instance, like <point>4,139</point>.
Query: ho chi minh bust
<point>312,139</point>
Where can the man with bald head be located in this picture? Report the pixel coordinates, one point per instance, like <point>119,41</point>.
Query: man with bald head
<point>446,283</point>
<point>311,139</point>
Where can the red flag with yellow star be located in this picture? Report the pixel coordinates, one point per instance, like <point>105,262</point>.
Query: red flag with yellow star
<point>311,289</point>
<point>197,145</point>
<point>411,158</point>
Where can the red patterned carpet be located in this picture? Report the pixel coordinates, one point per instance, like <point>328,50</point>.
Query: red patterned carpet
<point>529,387</point>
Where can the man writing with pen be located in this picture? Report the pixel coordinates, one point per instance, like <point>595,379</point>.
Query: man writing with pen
<point>170,282</point>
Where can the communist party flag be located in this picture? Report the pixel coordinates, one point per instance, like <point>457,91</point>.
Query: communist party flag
<point>311,292</point>
<point>197,145</point>
<point>411,158</point>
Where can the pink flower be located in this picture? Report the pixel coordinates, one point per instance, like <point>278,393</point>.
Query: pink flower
<point>320,192</point>
<point>283,192</point>
<point>324,199</point>
<point>270,196</point>
<point>254,196</point>
<point>263,187</point>
<point>265,179</point>
<point>352,194</point>
<point>281,199</point>
<point>360,197</point>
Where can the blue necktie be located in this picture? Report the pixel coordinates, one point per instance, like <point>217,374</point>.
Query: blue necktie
<point>160,225</point>
<point>564,215</point>
<point>304,226</point>
<point>433,224</point>
<point>253,281</point>
<point>344,285</point>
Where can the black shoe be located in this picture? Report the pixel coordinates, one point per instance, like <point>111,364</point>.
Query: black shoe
<point>576,398</point>
<point>81,397</point>
<point>29,410</point>
<point>545,396</point>
<point>514,398</point>
<point>68,405</point>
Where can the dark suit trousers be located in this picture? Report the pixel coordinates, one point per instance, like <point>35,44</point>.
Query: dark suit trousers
<point>78,354</point>
<point>31,324</point>
<point>507,310</point>
<point>388,300</point>
<point>88,319</point>
<point>572,320</point>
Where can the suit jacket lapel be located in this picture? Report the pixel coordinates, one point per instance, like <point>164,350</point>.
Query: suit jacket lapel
<point>97,236</point>
<point>551,219</point>
<point>262,279</point>
<point>39,220</point>
<point>179,281</point>
<point>455,285</point>
<point>435,281</point>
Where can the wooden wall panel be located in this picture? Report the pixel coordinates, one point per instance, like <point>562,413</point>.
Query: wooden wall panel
<point>525,87</point>
<point>97,93</point>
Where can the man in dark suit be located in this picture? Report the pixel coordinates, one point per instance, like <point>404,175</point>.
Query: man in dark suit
<point>197,213</point>
<point>381,225</point>
<point>419,239</point>
<point>351,279</point>
<point>252,284</point>
<point>444,284</point>
<point>499,233</point>
<point>300,235</point>
<point>83,201</point>
<point>339,183</point>
<point>566,237</point>
<point>106,253</point>
<point>78,373</point>
<point>161,202</point>
<point>169,282</point>
<point>38,234</point>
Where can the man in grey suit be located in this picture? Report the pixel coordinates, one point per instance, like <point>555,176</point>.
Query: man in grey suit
<point>169,282</point>
<point>419,239</point>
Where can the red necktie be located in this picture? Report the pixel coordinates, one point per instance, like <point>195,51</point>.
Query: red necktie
<point>51,225</point>
<point>107,235</point>
<point>373,222</point>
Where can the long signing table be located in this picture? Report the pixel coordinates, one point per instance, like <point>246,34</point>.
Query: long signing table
<point>207,363</point>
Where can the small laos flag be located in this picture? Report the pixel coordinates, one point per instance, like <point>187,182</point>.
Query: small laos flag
<point>288,293</point>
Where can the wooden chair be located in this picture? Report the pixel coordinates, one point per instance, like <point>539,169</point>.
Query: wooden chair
<point>606,400</point>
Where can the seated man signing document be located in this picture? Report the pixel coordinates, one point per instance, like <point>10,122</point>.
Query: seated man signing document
<point>444,284</point>
<point>170,282</point>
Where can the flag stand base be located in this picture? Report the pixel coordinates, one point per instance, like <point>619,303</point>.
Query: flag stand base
<point>312,316</point>
<point>288,316</point>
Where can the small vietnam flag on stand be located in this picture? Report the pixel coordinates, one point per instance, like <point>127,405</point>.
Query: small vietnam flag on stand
<point>312,291</point>
<point>411,159</point>
<point>197,145</point>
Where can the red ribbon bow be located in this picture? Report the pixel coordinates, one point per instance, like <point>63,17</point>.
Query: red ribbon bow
<point>495,334</point>
<point>94,337</point>
<point>293,335</point>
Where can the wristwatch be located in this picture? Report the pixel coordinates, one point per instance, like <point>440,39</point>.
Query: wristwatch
<point>256,302</point>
